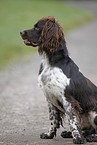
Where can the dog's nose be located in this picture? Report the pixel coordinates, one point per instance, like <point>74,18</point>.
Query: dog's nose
<point>22,33</point>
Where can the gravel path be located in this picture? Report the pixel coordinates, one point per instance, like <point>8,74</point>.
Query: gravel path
<point>23,106</point>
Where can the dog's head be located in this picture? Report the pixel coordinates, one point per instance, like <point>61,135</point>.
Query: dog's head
<point>47,34</point>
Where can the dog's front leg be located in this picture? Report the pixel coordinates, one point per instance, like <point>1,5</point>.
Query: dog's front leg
<point>75,128</point>
<point>56,121</point>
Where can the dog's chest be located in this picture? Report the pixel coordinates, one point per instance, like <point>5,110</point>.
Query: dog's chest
<point>53,82</point>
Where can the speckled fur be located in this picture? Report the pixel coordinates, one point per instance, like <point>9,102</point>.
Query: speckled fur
<point>53,82</point>
<point>67,90</point>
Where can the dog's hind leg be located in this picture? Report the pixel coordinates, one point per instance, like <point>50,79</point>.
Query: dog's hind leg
<point>93,121</point>
<point>93,118</point>
<point>56,121</point>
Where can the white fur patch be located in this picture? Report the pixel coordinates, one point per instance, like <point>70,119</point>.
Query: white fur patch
<point>91,117</point>
<point>53,82</point>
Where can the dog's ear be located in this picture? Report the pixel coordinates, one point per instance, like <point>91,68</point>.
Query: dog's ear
<point>51,36</point>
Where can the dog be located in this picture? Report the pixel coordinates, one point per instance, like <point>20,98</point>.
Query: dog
<point>68,92</point>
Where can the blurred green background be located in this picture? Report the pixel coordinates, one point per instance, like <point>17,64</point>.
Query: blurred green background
<point>17,15</point>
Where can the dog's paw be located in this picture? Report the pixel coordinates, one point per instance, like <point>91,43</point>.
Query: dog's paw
<point>79,140</point>
<point>66,134</point>
<point>46,136</point>
<point>91,138</point>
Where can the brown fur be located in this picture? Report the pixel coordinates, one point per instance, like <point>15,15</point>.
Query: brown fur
<point>51,37</point>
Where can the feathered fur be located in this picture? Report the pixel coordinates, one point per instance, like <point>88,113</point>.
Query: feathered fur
<point>67,90</point>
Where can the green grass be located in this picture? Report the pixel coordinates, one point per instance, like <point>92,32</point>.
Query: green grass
<point>16,15</point>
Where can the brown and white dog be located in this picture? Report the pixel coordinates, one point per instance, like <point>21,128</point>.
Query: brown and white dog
<point>68,92</point>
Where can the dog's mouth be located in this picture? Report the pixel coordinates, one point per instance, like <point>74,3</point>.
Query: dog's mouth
<point>27,42</point>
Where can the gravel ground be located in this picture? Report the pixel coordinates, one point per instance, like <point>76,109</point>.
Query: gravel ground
<point>24,111</point>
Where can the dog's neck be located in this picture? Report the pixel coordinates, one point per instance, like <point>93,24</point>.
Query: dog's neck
<point>59,55</point>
